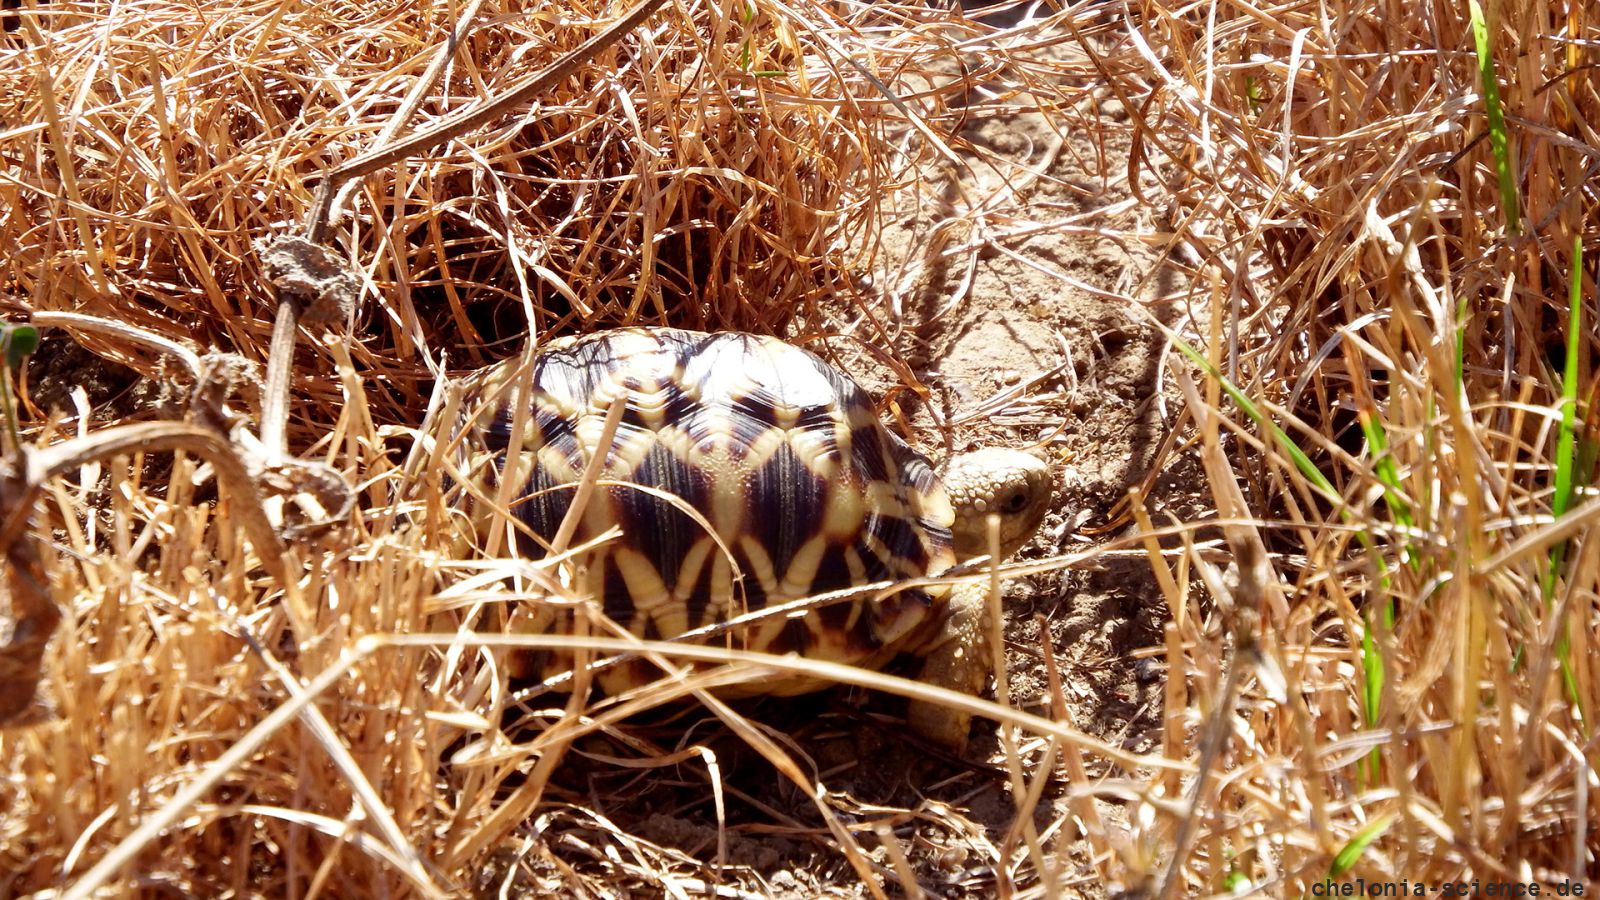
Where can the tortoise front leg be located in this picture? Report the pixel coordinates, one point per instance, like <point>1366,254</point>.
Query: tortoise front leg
<point>958,659</point>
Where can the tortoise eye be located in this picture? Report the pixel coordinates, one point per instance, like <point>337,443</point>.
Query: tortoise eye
<point>1014,502</point>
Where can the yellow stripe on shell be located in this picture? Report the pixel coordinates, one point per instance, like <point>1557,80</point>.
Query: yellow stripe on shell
<point>645,587</point>
<point>803,566</point>
<point>758,565</point>
<point>816,449</point>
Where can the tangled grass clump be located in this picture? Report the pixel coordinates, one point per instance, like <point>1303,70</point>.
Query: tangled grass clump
<point>1390,209</point>
<point>719,169</point>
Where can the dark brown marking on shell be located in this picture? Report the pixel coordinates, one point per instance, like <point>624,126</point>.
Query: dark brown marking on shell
<point>574,371</point>
<point>823,435</point>
<point>541,505</point>
<point>755,596</point>
<point>860,640</point>
<point>554,430</point>
<point>875,569</point>
<point>637,385</point>
<point>915,471</point>
<point>834,617</point>
<point>685,345</point>
<point>794,637</point>
<point>532,663</point>
<point>549,428</point>
<point>833,572</point>
<point>497,434</point>
<point>662,531</point>
<point>914,605</point>
<point>785,502</point>
<point>868,454</point>
<point>751,416</point>
<point>721,394</point>
<point>676,405</point>
<point>615,599</point>
<point>900,541</point>
<point>818,418</point>
<point>681,408</point>
<point>648,631</point>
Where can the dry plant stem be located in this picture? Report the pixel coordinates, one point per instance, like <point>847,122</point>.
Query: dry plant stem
<point>275,394</point>
<point>333,744</point>
<point>591,474</point>
<point>874,592</point>
<point>241,750</point>
<point>1022,795</point>
<point>1217,730</point>
<point>522,803</point>
<point>121,330</point>
<point>897,859</point>
<point>1291,143</point>
<point>33,618</point>
<point>275,402</point>
<point>1052,670</point>
<point>1242,617</point>
<point>821,670</point>
<point>407,109</point>
<point>1152,545</point>
<point>513,474</point>
<point>10,433</point>
<point>1177,676</point>
<point>468,119</point>
<point>203,209</point>
<point>64,156</point>
<point>910,114</point>
<point>815,792</point>
<point>191,791</point>
<point>41,465</point>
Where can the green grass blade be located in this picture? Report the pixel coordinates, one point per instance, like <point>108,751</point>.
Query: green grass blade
<point>747,14</point>
<point>1301,461</point>
<point>1384,468</point>
<point>1372,688</point>
<point>1567,440</point>
<point>1497,121</point>
<point>1566,446</point>
<point>16,342</point>
<point>1371,659</point>
<point>1350,853</point>
<point>1388,475</point>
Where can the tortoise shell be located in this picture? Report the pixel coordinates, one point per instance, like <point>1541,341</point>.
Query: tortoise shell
<point>777,453</point>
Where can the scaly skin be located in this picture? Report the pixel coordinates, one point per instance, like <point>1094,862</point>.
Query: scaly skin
<point>1016,488</point>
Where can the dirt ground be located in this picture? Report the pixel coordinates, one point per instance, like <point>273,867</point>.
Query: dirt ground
<point>1039,341</point>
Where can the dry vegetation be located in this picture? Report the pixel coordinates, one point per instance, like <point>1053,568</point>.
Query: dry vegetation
<point>1389,674</point>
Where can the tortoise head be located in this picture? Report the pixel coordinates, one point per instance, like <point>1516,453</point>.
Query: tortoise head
<point>1011,484</point>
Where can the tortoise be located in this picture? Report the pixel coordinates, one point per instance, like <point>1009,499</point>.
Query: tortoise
<point>786,459</point>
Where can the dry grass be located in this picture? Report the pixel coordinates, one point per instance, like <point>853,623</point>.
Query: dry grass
<point>1380,301</point>
<point>717,170</point>
<point>1392,679</point>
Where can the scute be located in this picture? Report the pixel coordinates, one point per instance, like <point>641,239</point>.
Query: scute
<point>784,483</point>
<point>779,453</point>
<point>663,532</point>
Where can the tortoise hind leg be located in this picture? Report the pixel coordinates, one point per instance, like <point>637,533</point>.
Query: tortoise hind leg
<point>958,659</point>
